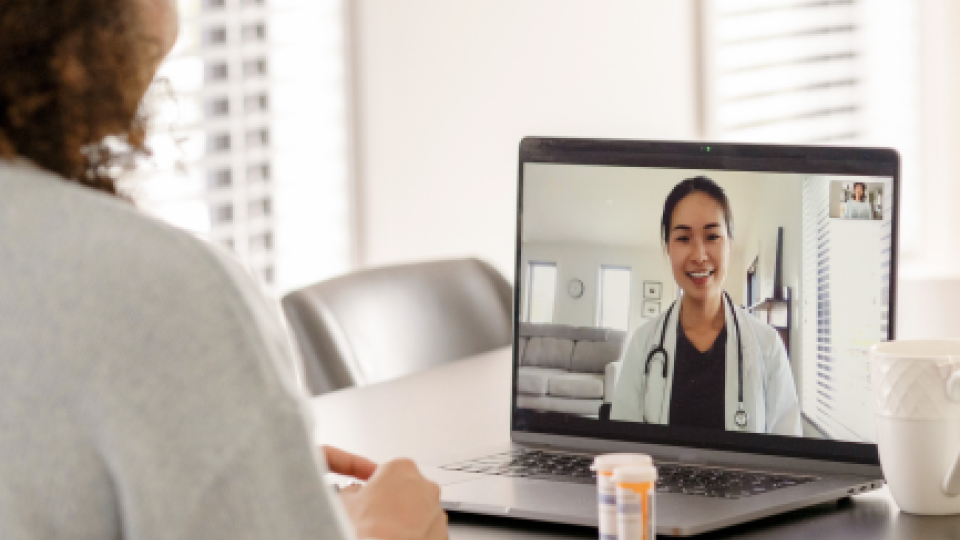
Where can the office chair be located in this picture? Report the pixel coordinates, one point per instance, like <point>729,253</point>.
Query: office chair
<point>379,324</point>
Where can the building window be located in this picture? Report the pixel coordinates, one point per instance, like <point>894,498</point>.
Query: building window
<point>262,241</point>
<point>256,103</point>
<point>220,178</point>
<point>218,107</point>
<point>218,143</point>
<point>254,3</point>
<point>258,138</point>
<point>228,243</point>
<point>268,275</point>
<point>254,32</point>
<point>258,173</point>
<point>256,67</point>
<point>217,71</point>
<point>541,291</point>
<point>214,4</point>
<point>216,35</point>
<point>613,310</point>
<point>223,214</point>
<point>260,208</point>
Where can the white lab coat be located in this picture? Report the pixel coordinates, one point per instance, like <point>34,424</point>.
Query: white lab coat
<point>769,393</point>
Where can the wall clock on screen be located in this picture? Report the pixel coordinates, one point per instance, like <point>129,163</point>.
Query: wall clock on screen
<point>575,288</point>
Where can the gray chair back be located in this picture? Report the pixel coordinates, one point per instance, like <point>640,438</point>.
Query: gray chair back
<point>383,323</point>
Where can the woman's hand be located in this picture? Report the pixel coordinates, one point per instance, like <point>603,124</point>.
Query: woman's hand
<point>348,464</point>
<point>397,503</point>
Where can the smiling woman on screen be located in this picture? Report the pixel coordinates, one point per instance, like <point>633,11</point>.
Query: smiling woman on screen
<point>705,362</point>
<point>148,390</point>
<point>859,206</point>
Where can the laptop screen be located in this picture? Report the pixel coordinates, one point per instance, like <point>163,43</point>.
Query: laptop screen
<point>722,296</point>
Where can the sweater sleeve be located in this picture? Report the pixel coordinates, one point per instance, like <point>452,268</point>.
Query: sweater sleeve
<point>267,487</point>
<point>218,444</point>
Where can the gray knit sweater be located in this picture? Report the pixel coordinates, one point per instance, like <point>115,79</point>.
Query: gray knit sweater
<point>144,382</point>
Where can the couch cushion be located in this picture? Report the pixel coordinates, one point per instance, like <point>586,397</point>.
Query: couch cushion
<point>617,336</point>
<point>576,385</point>
<point>548,352</point>
<point>587,333</point>
<point>528,329</point>
<point>545,330</point>
<point>584,407</point>
<point>533,381</point>
<point>593,356</point>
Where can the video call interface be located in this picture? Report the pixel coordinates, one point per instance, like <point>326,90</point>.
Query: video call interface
<point>807,267</point>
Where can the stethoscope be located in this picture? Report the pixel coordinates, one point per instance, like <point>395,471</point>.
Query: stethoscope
<point>740,417</point>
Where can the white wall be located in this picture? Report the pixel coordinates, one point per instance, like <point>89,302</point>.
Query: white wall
<point>446,90</point>
<point>936,244</point>
<point>930,278</point>
<point>583,262</point>
<point>778,205</point>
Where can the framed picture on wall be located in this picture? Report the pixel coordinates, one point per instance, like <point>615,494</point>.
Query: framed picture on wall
<point>651,309</point>
<point>652,291</point>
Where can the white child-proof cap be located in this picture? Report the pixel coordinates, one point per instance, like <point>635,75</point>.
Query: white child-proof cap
<point>635,473</point>
<point>608,462</point>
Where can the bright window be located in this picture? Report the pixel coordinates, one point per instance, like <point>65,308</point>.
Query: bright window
<point>614,309</point>
<point>541,291</point>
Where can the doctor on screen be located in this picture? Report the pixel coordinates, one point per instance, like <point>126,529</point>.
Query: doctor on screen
<point>705,362</point>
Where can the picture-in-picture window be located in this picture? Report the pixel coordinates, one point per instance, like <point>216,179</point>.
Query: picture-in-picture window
<point>851,199</point>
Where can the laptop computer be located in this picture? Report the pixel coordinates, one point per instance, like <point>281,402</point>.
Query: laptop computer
<point>809,283</point>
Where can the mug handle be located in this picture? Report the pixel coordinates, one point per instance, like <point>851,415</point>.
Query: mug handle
<point>951,484</point>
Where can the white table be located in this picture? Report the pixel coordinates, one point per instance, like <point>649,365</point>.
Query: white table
<point>447,409</point>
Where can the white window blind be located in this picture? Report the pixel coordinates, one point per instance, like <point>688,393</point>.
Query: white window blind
<point>815,72</point>
<point>783,71</point>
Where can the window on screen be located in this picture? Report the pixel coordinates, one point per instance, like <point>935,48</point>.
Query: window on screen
<point>542,284</point>
<point>614,309</point>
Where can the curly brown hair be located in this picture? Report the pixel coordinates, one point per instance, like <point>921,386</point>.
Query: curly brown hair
<point>71,80</point>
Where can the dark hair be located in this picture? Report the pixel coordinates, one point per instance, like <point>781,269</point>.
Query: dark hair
<point>71,77</point>
<point>863,192</point>
<point>697,184</point>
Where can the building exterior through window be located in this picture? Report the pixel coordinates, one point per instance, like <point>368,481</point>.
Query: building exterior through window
<point>249,136</point>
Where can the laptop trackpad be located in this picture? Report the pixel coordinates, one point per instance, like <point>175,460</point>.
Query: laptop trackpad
<point>524,497</point>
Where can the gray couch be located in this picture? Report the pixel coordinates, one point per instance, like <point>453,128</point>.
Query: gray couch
<point>567,369</point>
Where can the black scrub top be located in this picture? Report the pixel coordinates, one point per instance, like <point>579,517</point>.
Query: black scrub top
<point>699,383</point>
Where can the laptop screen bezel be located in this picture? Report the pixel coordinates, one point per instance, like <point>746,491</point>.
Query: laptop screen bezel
<point>825,160</point>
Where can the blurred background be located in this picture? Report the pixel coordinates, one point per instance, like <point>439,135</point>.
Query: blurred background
<point>316,137</point>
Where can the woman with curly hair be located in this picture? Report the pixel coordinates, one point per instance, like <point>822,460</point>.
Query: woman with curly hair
<point>147,385</point>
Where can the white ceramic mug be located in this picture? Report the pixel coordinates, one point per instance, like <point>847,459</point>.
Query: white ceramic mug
<point>916,389</point>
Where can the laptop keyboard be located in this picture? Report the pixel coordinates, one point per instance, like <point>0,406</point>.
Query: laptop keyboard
<point>671,477</point>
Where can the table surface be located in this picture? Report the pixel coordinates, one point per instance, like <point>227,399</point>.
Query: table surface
<point>448,409</point>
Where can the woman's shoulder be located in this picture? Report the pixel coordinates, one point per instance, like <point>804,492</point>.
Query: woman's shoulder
<point>761,331</point>
<point>53,217</point>
<point>646,326</point>
<point>640,334</point>
<point>77,242</point>
<point>128,274</point>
